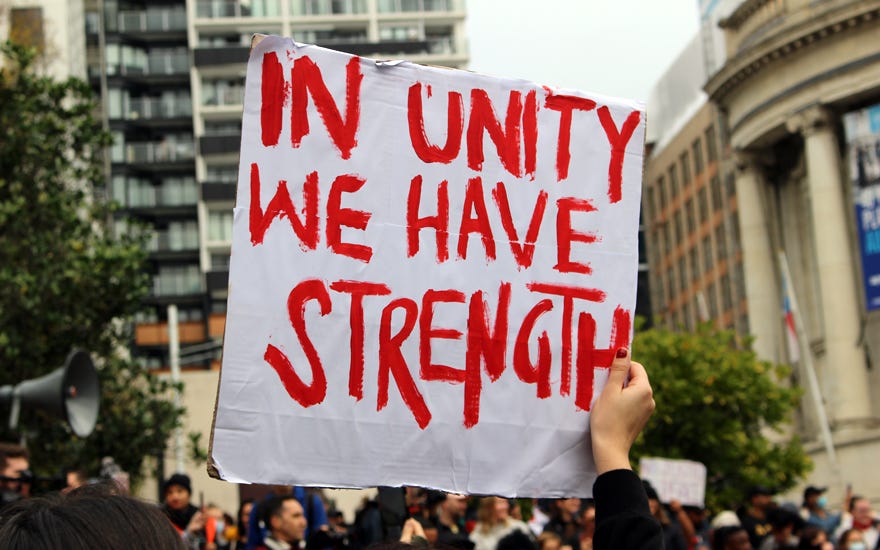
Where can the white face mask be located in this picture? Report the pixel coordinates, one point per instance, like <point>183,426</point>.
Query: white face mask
<point>857,546</point>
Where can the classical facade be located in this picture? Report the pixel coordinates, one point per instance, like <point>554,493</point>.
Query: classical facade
<point>794,70</point>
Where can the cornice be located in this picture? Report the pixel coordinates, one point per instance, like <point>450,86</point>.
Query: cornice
<point>742,13</point>
<point>746,64</point>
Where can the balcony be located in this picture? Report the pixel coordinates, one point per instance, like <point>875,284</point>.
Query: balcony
<point>155,109</point>
<point>220,144</point>
<point>217,281</point>
<point>152,21</point>
<point>227,55</point>
<point>152,152</point>
<point>212,191</point>
<point>214,9</point>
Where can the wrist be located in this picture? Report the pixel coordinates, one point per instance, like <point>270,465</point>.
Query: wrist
<point>605,462</point>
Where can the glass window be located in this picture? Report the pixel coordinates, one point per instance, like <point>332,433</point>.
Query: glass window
<point>726,292</point>
<point>703,200</point>
<point>682,275</point>
<point>697,152</point>
<point>689,212</point>
<point>661,189</point>
<point>220,262</point>
<point>679,233</point>
<point>707,254</point>
<point>711,147</point>
<point>717,199</point>
<point>673,181</point>
<point>695,264</point>
<point>684,161</point>
<point>220,225</point>
<point>651,207</point>
<point>720,244</point>
<point>713,301</point>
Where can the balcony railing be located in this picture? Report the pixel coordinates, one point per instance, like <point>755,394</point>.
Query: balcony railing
<point>233,8</point>
<point>152,21</point>
<point>228,96</point>
<point>154,108</point>
<point>154,152</point>
<point>161,64</point>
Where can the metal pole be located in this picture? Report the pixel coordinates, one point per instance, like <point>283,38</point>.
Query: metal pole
<point>807,362</point>
<point>174,360</point>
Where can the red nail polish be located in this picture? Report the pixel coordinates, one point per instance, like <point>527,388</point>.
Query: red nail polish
<point>621,353</point>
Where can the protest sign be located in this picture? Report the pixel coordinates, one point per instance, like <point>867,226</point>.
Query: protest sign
<point>681,480</point>
<point>431,270</point>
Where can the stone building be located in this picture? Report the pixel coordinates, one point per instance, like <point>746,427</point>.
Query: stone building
<point>799,81</point>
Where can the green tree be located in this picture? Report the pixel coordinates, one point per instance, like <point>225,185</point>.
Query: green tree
<point>715,403</point>
<point>66,280</point>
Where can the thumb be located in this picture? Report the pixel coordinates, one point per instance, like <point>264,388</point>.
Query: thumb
<point>619,369</point>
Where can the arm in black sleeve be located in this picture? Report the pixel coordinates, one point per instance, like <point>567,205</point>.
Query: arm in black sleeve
<point>623,519</point>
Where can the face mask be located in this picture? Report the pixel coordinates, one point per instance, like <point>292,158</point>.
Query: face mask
<point>822,502</point>
<point>857,546</point>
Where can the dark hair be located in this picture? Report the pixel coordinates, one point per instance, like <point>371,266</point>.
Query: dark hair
<point>808,535</point>
<point>516,540</point>
<point>86,520</point>
<point>11,450</point>
<point>724,533</point>
<point>272,507</point>
<point>841,542</point>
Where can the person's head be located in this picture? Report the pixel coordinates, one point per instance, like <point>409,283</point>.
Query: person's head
<point>860,508</point>
<point>492,510</point>
<point>653,500</point>
<point>14,472</point>
<point>813,499</point>
<point>284,517</point>
<point>244,515</point>
<point>813,538</point>
<point>454,506</point>
<point>75,479</point>
<point>82,520</point>
<point>177,491</point>
<point>588,515</point>
<point>568,507</point>
<point>549,541</point>
<point>784,523</point>
<point>760,497</point>
<point>516,540</point>
<point>851,539</point>
<point>732,537</point>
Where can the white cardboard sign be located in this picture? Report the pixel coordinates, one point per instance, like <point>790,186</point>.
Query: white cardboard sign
<point>674,479</point>
<point>431,270</point>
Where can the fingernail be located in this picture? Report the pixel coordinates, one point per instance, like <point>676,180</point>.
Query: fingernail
<point>621,353</point>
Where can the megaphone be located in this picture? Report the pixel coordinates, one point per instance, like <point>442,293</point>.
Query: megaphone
<point>71,392</point>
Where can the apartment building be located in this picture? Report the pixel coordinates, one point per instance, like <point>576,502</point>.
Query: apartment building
<point>171,75</point>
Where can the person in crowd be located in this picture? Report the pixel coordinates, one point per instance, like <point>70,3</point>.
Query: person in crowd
<point>698,519</point>
<point>815,510</point>
<point>15,478</point>
<point>754,515</point>
<point>852,539</point>
<point>185,518</point>
<point>74,478</point>
<point>285,521</point>
<point>493,523</point>
<point>814,538</point>
<point>731,537</point>
<point>861,517</point>
<point>243,517</point>
<point>672,534</point>
<point>86,518</point>
<point>517,540</point>
<point>565,521</point>
<point>588,526</point>
<point>785,527</point>
<point>539,517</point>
<point>623,517</point>
<point>549,541</point>
<point>309,500</point>
<point>450,522</point>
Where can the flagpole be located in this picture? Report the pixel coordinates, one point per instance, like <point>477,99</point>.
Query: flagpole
<point>807,361</point>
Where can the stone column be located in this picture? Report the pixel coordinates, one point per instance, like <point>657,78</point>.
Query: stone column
<point>762,288</point>
<point>845,374</point>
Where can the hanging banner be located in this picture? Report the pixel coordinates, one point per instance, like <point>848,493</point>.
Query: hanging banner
<point>862,130</point>
<point>431,270</point>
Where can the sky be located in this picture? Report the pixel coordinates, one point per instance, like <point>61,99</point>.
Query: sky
<point>612,47</point>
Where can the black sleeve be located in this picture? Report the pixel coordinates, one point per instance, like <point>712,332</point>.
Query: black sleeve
<point>623,519</point>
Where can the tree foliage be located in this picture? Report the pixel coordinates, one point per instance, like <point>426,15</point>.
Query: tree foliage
<point>66,280</point>
<point>716,403</point>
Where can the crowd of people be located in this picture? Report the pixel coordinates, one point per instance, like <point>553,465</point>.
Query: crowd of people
<point>625,512</point>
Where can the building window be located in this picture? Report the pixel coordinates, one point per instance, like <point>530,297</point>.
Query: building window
<point>730,186</point>
<point>222,173</point>
<point>400,32</point>
<point>670,282</point>
<point>219,262</point>
<point>707,254</point>
<point>667,239</point>
<point>695,264</point>
<point>720,244</point>
<point>711,146</point>
<point>726,292</point>
<point>682,275</point>
<point>713,301</point>
<point>703,200</point>
<point>392,6</point>
<point>697,152</point>
<point>220,226</point>
<point>679,236</point>
<point>177,280</point>
<point>650,206</point>
<point>661,189</point>
<point>717,200</point>
<point>26,28</point>
<point>227,8</point>
<point>223,92</point>
<point>684,161</point>
<point>673,181</point>
<point>689,212</point>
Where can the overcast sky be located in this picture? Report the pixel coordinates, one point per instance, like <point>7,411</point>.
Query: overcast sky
<point>612,47</point>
